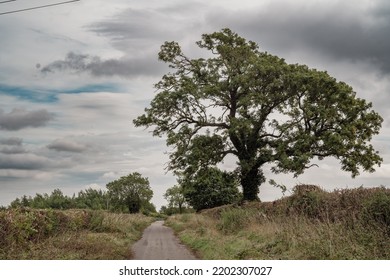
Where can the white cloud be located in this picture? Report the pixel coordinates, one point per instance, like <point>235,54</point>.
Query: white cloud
<point>94,187</point>
<point>111,175</point>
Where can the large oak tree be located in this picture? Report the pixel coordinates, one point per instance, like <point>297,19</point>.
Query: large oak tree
<point>255,106</point>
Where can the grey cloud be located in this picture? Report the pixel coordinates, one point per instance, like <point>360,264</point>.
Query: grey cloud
<point>78,62</point>
<point>12,141</point>
<point>125,67</point>
<point>12,145</point>
<point>343,31</point>
<point>138,33</point>
<point>21,118</point>
<point>137,29</point>
<point>12,150</point>
<point>131,24</point>
<point>63,145</point>
<point>23,162</point>
<point>33,160</point>
<point>128,67</point>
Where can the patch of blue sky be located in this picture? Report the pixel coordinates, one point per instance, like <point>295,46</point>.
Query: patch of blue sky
<point>50,95</point>
<point>33,95</point>
<point>92,88</point>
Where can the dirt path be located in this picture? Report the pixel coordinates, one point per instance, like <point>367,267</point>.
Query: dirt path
<point>159,243</point>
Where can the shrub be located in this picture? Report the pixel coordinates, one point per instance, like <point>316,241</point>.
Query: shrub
<point>95,222</point>
<point>377,209</point>
<point>210,187</point>
<point>308,200</point>
<point>235,219</point>
<point>22,226</point>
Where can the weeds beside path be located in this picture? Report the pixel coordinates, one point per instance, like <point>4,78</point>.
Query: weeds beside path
<point>310,224</point>
<point>71,234</point>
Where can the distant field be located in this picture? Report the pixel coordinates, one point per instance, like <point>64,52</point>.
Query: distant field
<point>70,234</point>
<point>310,224</point>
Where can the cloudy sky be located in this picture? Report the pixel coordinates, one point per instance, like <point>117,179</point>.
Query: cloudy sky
<point>74,76</point>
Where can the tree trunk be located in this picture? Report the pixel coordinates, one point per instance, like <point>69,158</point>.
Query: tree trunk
<point>133,204</point>
<point>250,182</point>
<point>180,210</point>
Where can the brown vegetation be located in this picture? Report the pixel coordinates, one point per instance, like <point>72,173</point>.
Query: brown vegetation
<point>71,234</point>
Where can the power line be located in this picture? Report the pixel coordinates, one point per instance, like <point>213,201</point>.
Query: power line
<point>2,2</point>
<point>37,7</point>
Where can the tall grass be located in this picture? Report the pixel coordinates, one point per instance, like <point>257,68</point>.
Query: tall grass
<point>71,234</point>
<point>310,224</point>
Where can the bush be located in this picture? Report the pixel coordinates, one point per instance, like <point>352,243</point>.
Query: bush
<point>307,200</point>
<point>211,187</point>
<point>96,221</point>
<point>235,219</point>
<point>22,226</point>
<point>377,209</point>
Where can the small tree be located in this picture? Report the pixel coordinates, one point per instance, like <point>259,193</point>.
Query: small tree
<point>258,108</point>
<point>57,200</point>
<point>91,199</point>
<point>131,192</point>
<point>175,197</point>
<point>15,203</point>
<point>40,202</point>
<point>210,187</point>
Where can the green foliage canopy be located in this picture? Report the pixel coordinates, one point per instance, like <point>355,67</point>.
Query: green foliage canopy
<point>86,199</point>
<point>91,199</point>
<point>132,191</point>
<point>175,197</point>
<point>210,187</point>
<point>255,106</point>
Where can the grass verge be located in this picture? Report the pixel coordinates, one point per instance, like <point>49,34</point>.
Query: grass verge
<point>310,224</point>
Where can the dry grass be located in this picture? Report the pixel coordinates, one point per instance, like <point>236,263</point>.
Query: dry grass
<point>310,224</point>
<point>71,234</point>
